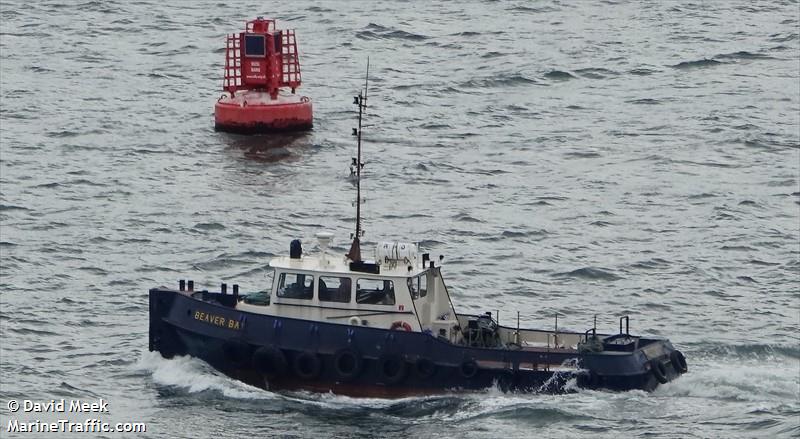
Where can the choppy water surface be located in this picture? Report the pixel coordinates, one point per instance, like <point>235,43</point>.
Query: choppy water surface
<point>565,157</point>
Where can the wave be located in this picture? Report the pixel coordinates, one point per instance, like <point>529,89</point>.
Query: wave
<point>518,234</point>
<point>706,62</point>
<point>702,196</point>
<point>195,376</point>
<point>499,81</point>
<point>559,75</point>
<point>467,34</point>
<point>488,55</point>
<point>466,218</point>
<point>39,69</point>
<point>539,10</point>
<point>644,101</point>
<point>642,72</point>
<point>764,386</point>
<point>453,407</point>
<point>753,352</point>
<point>223,261</point>
<point>596,73</point>
<point>742,54</point>
<point>583,154</point>
<point>62,134</point>
<point>376,31</point>
<point>435,126</point>
<point>430,243</point>
<point>31,331</point>
<point>5,207</point>
<point>94,270</point>
<point>735,381</point>
<point>209,226</point>
<point>528,413</point>
<point>781,38</point>
<point>651,264</point>
<point>740,248</point>
<point>319,9</point>
<point>590,273</point>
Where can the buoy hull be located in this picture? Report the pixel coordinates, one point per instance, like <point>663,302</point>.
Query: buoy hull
<point>255,113</point>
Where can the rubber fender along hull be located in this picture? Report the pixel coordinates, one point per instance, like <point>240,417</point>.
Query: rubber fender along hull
<point>263,118</point>
<point>364,361</point>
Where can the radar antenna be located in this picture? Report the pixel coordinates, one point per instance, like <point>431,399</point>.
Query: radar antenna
<point>361,100</point>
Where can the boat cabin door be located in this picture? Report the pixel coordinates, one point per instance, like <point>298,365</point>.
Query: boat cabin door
<point>418,287</point>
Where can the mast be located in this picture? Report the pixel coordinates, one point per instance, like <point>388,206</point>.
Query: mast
<point>361,100</point>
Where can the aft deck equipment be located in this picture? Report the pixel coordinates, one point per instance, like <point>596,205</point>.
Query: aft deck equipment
<point>388,327</point>
<point>262,74</point>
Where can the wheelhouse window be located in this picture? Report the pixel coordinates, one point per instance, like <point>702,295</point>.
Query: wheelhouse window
<point>418,286</point>
<point>335,289</point>
<point>296,286</point>
<point>375,292</point>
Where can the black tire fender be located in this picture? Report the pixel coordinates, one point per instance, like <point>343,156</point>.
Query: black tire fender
<point>468,368</point>
<point>678,362</point>
<point>270,361</point>
<point>392,368</point>
<point>347,364</point>
<point>424,368</point>
<point>659,371</point>
<point>236,352</point>
<point>307,365</point>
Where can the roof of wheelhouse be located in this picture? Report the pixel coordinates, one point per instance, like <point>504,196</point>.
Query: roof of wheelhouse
<point>340,265</point>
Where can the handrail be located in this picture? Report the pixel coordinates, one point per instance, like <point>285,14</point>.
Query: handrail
<point>627,325</point>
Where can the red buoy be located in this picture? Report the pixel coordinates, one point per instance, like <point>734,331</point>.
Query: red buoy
<point>262,72</point>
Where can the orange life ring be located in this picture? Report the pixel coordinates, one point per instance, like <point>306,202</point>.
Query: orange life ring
<point>400,324</point>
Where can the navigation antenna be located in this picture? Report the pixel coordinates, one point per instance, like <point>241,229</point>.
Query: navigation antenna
<point>361,100</point>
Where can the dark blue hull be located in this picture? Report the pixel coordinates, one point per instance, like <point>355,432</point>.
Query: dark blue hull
<point>284,353</point>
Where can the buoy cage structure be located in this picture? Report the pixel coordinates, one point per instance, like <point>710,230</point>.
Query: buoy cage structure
<point>262,74</point>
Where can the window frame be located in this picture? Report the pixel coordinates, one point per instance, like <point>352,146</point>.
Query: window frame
<point>419,285</point>
<point>372,279</point>
<point>281,282</point>
<point>340,278</point>
<point>413,290</point>
<point>415,286</point>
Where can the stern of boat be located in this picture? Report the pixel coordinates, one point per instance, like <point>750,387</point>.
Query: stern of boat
<point>626,362</point>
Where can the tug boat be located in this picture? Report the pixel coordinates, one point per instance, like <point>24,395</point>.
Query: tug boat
<point>387,327</point>
<point>262,74</point>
